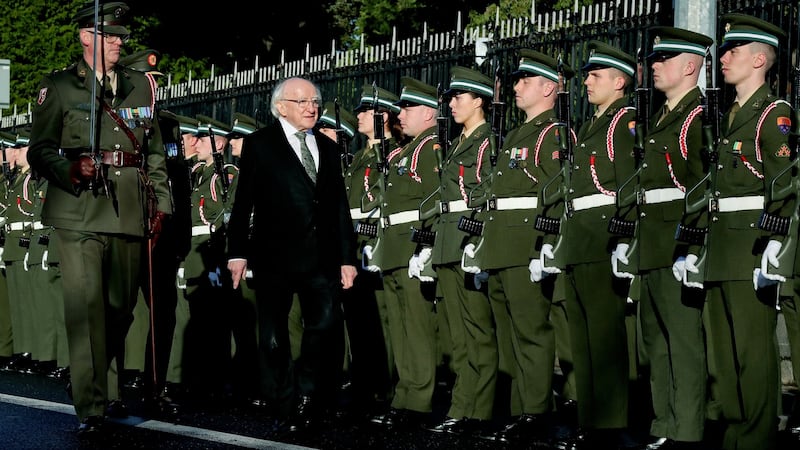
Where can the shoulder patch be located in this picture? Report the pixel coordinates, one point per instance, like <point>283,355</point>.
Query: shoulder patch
<point>632,127</point>
<point>784,152</point>
<point>42,96</point>
<point>784,124</point>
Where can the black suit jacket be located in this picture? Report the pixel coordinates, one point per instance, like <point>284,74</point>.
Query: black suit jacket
<point>298,227</point>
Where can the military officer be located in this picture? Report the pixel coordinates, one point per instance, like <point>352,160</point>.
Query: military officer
<point>596,300</point>
<point>521,310</point>
<point>672,330</point>
<point>742,254</point>
<point>97,196</point>
<point>468,312</point>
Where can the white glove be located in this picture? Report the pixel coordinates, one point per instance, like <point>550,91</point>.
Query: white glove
<point>770,257</point>
<point>690,267</point>
<point>366,257</point>
<point>469,252</point>
<point>619,255</point>
<point>544,255</point>
<point>480,278</point>
<point>536,270</point>
<point>180,282</point>
<point>679,269</point>
<point>424,257</point>
<point>760,281</point>
<point>413,266</point>
<point>214,278</point>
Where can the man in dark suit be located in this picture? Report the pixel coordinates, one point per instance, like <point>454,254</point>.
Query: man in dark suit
<point>290,186</point>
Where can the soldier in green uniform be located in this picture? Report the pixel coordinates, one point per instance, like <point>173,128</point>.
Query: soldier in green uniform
<point>97,197</point>
<point>742,252</point>
<point>596,300</point>
<point>6,331</point>
<point>521,310</point>
<point>410,312</point>
<point>42,271</point>
<point>672,330</point>
<point>207,350</point>
<point>369,366</point>
<point>469,315</point>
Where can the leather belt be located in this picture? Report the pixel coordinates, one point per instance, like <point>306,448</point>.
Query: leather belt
<point>730,204</point>
<point>663,195</point>
<point>501,204</point>
<point>116,158</point>
<point>453,207</point>
<point>356,213</point>
<point>202,230</point>
<point>592,201</point>
<point>400,218</point>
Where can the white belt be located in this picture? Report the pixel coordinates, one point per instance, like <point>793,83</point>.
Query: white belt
<point>38,225</point>
<point>202,230</point>
<point>592,201</point>
<point>453,207</point>
<point>663,195</point>
<point>740,203</point>
<point>501,204</point>
<point>356,213</point>
<point>17,226</point>
<point>400,218</point>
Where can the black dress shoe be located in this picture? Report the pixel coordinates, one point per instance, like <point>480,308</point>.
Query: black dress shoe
<point>59,373</point>
<point>116,409</point>
<point>90,427</point>
<point>525,428</point>
<point>458,426</point>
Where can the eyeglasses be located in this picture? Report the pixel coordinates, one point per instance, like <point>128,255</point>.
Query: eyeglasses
<point>304,103</point>
<point>112,38</point>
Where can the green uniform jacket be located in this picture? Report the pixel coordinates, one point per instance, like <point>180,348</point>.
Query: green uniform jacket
<point>672,162</point>
<point>18,218</point>
<point>61,120</point>
<point>463,169</point>
<point>529,158</point>
<point>735,242</point>
<point>412,177</point>
<point>597,168</point>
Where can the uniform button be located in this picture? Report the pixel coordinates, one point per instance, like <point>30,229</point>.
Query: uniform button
<point>117,146</point>
<point>525,220</point>
<point>583,145</point>
<point>642,215</point>
<point>499,173</point>
<point>116,128</point>
<point>652,141</point>
<point>725,141</point>
<point>491,218</point>
<point>117,173</point>
<point>390,184</point>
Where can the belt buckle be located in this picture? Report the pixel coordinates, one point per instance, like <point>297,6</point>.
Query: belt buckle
<point>713,205</point>
<point>491,204</point>
<point>386,222</point>
<point>117,158</point>
<point>445,207</point>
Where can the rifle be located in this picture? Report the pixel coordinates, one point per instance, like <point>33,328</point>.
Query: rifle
<point>219,164</point>
<point>618,225</point>
<point>341,140</point>
<point>711,126</point>
<point>440,147</point>
<point>550,198</point>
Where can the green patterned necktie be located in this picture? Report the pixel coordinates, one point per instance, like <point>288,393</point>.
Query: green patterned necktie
<point>305,156</point>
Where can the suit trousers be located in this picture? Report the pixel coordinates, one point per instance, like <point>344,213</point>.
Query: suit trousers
<point>316,373</point>
<point>596,309</point>
<point>412,330</point>
<point>743,362</point>
<point>100,280</point>
<point>525,336</point>
<point>475,356</point>
<point>672,329</point>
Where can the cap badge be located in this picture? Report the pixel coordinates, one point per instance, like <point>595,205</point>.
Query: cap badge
<point>727,27</point>
<point>657,40</point>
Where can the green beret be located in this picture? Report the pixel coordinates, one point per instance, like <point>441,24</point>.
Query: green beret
<point>533,64</point>
<point>742,29</point>
<point>242,125</point>
<point>386,100</point>
<point>143,61</point>
<point>111,17</point>
<point>328,119</point>
<point>205,122</point>
<point>671,41</point>
<point>416,92</point>
<point>8,140</point>
<point>463,79</point>
<point>602,55</point>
